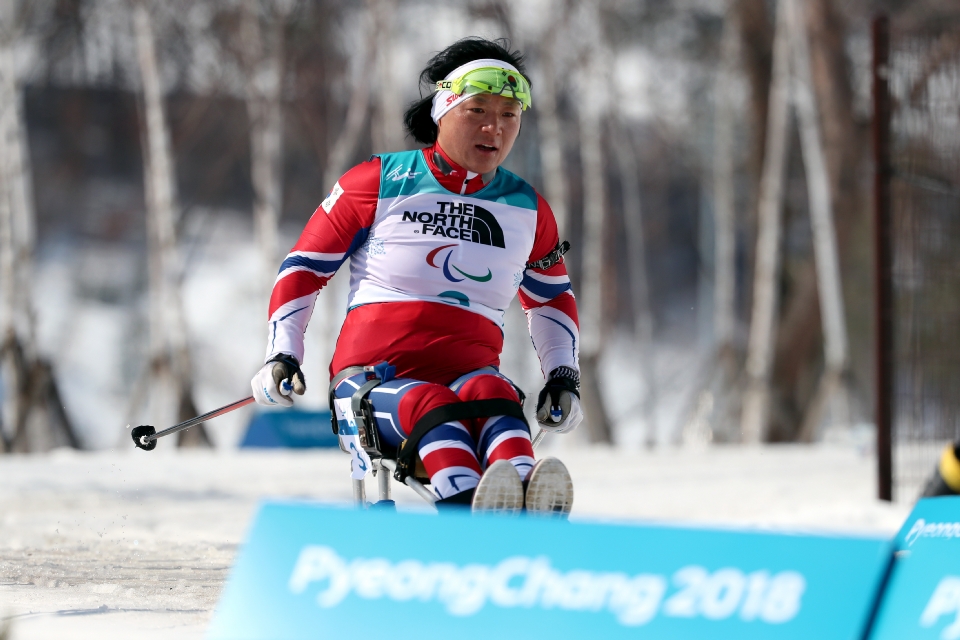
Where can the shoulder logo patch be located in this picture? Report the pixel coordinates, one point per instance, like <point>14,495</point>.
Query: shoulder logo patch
<point>331,199</point>
<point>397,174</point>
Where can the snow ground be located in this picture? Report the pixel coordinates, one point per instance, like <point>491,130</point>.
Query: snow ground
<point>114,545</point>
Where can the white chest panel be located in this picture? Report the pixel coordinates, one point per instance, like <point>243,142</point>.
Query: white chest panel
<point>447,248</point>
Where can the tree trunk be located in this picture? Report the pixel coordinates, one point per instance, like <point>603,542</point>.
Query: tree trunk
<point>387,127</point>
<point>171,369</point>
<point>761,343</point>
<point>756,29</point>
<point>43,424</point>
<point>845,145</point>
<point>843,141</point>
<point>594,408</point>
<point>643,322</point>
<point>328,315</point>
<point>551,133</point>
<point>28,378</point>
<point>591,112</point>
<point>724,291</point>
<point>11,371</point>
<point>756,38</point>
<point>8,372</point>
<point>358,107</point>
<point>826,258</point>
<point>715,416</point>
<point>11,240</point>
<point>265,65</point>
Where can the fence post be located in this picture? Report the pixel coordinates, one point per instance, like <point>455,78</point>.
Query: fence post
<point>883,253</point>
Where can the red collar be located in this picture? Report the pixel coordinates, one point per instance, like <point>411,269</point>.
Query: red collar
<point>450,175</point>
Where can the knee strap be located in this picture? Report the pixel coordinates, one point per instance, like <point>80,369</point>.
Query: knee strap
<point>337,379</point>
<point>406,457</point>
<point>360,404</point>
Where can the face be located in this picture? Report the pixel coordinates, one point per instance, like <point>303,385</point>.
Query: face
<point>479,133</point>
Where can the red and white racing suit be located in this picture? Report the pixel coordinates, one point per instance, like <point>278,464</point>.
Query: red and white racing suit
<point>436,254</point>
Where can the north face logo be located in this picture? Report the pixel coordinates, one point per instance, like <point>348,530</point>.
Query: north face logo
<point>459,221</point>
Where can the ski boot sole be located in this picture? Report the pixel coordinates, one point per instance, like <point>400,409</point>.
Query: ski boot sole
<point>549,489</point>
<point>500,490</point>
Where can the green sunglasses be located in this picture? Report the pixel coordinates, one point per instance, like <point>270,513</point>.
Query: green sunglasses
<point>495,80</point>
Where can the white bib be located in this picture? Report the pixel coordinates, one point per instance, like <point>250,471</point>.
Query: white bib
<point>429,244</point>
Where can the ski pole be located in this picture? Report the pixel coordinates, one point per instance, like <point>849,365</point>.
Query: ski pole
<point>145,436</point>
<point>537,438</point>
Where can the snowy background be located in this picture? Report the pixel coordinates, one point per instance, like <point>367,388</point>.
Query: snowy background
<point>90,279</point>
<point>113,545</point>
<point>104,541</point>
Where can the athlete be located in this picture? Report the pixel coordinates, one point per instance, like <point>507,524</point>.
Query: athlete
<point>945,480</point>
<point>440,240</point>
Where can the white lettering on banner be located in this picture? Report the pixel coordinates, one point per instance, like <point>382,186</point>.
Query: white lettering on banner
<point>944,601</point>
<point>718,595</point>
<point>921,529</point>
<point>531,582</point>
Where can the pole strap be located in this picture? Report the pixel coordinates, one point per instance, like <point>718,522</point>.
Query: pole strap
<point>552,258</point>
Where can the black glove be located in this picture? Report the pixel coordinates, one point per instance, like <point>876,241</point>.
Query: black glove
<point>280,376</point>
<point>563,412</point>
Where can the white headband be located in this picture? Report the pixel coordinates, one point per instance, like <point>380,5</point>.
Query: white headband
<point>444,101</point>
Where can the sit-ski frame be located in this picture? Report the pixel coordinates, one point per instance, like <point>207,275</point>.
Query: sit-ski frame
<point>383,468</point>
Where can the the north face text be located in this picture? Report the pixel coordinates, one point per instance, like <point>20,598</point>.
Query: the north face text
<point>459,221</point>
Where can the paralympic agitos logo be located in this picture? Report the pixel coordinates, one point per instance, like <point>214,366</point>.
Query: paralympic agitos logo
<point>459,221</point>
<point>431,260</point>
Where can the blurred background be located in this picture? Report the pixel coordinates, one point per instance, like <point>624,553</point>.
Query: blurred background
<point>719,168</point>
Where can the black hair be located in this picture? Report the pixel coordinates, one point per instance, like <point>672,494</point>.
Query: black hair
<point>417,120</point>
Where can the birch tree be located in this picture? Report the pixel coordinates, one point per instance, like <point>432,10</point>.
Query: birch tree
<point>548,122</point>
<point>592,108</point>
<point>387,126</point>
<point>724,290</point>
<point>793,80</point>
<point>171,383</point>
<point>717,401</point>
<point>10,240</point>
<point>32,408</point>
<point>826,259</point>
<point>643,323</point>
<point>263,52</point>
<point>358,71</point>
<point>767,263</point>
<point>357,108</point>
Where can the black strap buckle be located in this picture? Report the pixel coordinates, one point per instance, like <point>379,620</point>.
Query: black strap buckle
<point>552,258</point>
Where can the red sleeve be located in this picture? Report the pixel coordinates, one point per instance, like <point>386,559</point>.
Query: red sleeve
<point>349,207</point>
<point>337,228</point>
<point>547,299</point>
<point>547,237</point>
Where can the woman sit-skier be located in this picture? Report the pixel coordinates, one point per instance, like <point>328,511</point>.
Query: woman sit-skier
<point>440,240</point>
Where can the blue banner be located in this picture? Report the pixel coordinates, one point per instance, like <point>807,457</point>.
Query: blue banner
<point>926,519</point>
<point>922,598</point>
<point>310,571</point>
<point>291,428</point>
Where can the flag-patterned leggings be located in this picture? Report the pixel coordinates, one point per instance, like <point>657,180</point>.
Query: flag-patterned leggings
<point>454,453</point>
